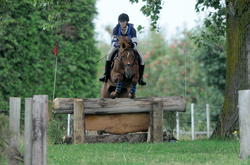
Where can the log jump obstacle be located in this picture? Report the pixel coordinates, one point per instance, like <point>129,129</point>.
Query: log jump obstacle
<point>118,116</point>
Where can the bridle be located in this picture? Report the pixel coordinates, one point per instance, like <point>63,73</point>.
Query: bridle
<point>120,57</point>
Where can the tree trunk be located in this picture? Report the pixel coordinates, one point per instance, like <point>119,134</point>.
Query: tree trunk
<point>238,64</point>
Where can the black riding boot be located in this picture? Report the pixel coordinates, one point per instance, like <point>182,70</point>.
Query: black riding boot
<point>141,71</point>
<point>106,75</point>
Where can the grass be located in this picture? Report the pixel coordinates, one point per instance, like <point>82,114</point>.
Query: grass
<point>199,152</point>
<point>205,152</point>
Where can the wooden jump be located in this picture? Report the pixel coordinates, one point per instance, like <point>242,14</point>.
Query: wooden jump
<point>119,116</point>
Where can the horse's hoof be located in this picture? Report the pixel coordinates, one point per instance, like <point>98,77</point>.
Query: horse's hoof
<point>131,95</point>
<point>113,95</point>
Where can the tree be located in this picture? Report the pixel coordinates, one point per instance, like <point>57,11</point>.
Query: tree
<point>234,18</point>
<point>150,9</point>
<point>237,25</point>
<point>237,71</point>
<point>212,43</point>
<point>28,32</point>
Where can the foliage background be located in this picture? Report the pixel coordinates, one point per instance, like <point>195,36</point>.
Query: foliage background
<point>28,33</point>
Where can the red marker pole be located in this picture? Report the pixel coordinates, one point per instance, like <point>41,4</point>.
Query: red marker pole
<point>55,52</point>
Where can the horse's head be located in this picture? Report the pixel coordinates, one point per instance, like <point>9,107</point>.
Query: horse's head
<point>127,56</point>
<point>125,42</point>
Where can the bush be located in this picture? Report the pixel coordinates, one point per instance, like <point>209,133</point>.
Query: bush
<point>56,130</point>
<point>4,135</point>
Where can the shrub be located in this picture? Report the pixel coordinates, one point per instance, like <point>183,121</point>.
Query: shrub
<point>56,130</point>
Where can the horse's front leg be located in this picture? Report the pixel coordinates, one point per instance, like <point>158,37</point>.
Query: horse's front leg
<point>132,91</point>
<point>133,85</point>
<point>117,91</point>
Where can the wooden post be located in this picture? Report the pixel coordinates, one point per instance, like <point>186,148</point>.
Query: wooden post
<point>150,128</point>
<point>192,121</point>
<point>157,122</point>
<point>28,132</point>
<point>244,116</point>
<point>208,120</point>
<point>68,125</point>
<point>79,130</point>
<point>177,126</point>
<point>14,125</point>
<point>39,129</point>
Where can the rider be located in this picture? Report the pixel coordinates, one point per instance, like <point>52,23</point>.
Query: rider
<point>123,28</point>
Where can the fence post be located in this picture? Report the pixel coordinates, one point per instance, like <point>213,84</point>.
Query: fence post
<point>79,128</point>
<point>39,133</point>
<point>208,120</point>
<point>244,116</point>
<point>157,122</point>
<point>192,121</point>
<point>28,132</point>
<point>177,126</point>
<point>68,126</point>
<point>14,125</point>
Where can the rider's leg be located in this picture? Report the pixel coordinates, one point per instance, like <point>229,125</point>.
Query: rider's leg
<point>141,72</point>
<point>106,75</point>
<point>141,68</point>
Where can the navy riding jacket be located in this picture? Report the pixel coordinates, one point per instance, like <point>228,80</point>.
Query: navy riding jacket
<point>117,31</point>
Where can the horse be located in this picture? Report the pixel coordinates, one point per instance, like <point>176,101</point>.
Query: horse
<point>124,74</point>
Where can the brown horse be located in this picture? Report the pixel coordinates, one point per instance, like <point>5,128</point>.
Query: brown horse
<point>124,74</point>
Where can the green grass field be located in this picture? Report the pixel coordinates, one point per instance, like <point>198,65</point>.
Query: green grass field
<point>205,152</point>
<point>199,152</point>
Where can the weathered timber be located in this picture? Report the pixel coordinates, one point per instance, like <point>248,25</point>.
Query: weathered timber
<point>120,105</point>
<point>78,121</point>
<point>117,123</point>
<point>14,126</point>
<point>157,123</point>
<point>129,138</point>
<point>244,115</point>
<point>28,132</point>
<point>39,129</point>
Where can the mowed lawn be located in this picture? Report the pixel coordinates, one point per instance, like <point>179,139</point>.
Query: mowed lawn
<point>205,152</point>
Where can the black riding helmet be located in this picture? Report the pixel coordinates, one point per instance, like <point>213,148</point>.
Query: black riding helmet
<point>123,17</point>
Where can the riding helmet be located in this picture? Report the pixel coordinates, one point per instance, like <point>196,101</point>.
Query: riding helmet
<point>123,17</point>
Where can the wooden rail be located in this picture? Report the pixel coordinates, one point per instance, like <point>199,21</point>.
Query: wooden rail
<point>119,105</point>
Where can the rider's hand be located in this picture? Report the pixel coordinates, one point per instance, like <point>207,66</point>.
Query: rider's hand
<point>116,45</point>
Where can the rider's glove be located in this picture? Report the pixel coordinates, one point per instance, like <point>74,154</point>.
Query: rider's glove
<point>116,45</point>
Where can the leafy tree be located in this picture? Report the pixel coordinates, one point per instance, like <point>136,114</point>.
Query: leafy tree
<point>237,74</point>
<point>237,22</point>
<point>174,69</point>
<point>213,56</point>
<point>28,32</point>
<point>150,9</point>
